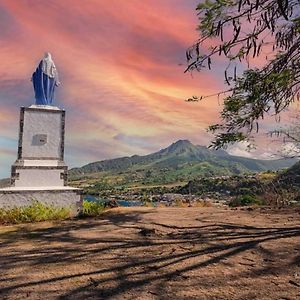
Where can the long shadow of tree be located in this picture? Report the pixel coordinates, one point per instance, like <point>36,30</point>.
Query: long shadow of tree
<point>115,258</point>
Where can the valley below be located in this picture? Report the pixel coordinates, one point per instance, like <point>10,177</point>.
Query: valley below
<point>184,173</point>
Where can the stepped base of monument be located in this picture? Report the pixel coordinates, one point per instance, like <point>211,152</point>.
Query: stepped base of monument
<point>65,196</point>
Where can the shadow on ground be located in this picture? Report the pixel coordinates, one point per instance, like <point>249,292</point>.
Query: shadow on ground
<point>136,255</point>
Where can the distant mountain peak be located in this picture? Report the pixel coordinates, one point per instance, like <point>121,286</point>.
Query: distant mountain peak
<point>182,143</point>
<point>179,146</point>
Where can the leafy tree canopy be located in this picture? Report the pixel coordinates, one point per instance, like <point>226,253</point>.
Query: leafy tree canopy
<point>240,31</point>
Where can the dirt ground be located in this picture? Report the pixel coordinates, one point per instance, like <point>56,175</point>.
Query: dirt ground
<point>161,253</point>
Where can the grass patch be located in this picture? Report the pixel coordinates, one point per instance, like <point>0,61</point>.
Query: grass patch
<point>203,203</point>
<point>38,212</point>
<point>92,209</point>
<point>148,204</point>
<point>179,203</point>
<point>35,212</point>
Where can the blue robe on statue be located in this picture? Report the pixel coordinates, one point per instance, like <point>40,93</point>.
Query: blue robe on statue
<point>44,81</point>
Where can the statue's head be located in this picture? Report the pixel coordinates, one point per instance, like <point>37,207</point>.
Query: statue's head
<point>47,55</point>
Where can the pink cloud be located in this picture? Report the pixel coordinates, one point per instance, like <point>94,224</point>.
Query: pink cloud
<point>121,67</point>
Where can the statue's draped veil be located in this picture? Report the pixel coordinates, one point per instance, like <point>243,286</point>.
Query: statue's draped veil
<point>48,66</point>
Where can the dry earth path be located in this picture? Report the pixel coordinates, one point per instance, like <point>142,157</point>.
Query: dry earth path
<point>162,253</point>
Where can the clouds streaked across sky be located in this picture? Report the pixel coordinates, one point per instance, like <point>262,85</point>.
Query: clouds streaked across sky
<point>121,66</point>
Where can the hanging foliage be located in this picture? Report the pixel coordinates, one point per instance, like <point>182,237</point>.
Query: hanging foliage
<point>242,30</point>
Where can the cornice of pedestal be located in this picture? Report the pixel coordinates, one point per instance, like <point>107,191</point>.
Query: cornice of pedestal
<point>48,108</point>
<point>38,162</point>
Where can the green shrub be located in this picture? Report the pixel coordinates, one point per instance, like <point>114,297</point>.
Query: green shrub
<point>245,200</point>
<point>35,212</point>
<point>92,209</point>
<point>179,203</point>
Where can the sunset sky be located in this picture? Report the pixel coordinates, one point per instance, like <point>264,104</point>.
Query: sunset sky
<point>121,65</point>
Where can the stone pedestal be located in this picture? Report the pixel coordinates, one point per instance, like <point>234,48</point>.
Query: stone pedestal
<point>39,172</point>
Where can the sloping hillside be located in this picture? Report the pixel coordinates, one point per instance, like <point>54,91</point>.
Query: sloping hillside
<point>4,182</point>
<point>180,161</point>
<point>287,183</point>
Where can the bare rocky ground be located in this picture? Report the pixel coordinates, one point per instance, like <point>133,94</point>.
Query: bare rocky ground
<point>162,253</point>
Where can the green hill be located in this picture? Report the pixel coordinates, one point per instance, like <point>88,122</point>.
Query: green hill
<point>287,183</point>
<point>180,162</point>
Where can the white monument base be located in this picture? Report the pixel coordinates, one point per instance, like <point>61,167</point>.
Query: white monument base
<point>39,173</point>
<point>65,196</point>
